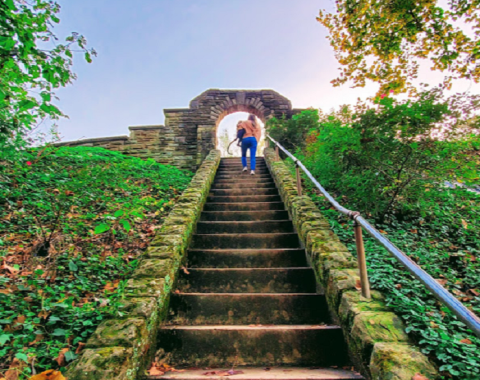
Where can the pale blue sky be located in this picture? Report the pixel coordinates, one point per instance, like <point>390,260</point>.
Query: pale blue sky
<point>156,54</point>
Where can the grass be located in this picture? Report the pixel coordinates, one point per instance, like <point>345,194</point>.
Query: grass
<point>73,222</point>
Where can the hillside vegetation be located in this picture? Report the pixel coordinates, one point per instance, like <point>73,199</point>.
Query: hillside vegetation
<point>73,222</point>
<point>391,161</point>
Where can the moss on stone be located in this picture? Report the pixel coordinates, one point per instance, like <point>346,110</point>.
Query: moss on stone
<point>144,287</point>
<point>143,307</point>
<point>164,252</point>
<point>112,363</point>
<point>154,268</point>
<point>119,333</point>
<point>353,303</point>
<point>340,281</point>
<point>393,361</point>
<point>372,327</point>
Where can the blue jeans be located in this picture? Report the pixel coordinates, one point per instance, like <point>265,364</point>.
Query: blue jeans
<point>249,143</point>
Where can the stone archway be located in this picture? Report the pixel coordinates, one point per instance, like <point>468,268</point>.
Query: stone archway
<point>189,134</point>
<point>208,109</point>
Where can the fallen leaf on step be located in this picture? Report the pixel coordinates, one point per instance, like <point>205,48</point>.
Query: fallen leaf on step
<point>267,369</point>
<point>154,371</point>
<point>418,376</point>
<point>49,375</point>
<point>358,285</point>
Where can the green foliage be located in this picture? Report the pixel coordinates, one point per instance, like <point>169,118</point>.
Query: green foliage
<point>292,133</point>
<point>444,241</point>
<point>383,157</point>
<point>73,222</point>
<point>30,68</point>
<point>385,41</point>
<point>391,162</point>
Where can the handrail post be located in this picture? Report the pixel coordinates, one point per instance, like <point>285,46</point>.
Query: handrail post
<point>362,263</point>
<point>277,154</point>
<point>299,179</point>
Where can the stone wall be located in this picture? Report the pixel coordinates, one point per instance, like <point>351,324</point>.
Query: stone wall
<point>120,347</point>
<point>376,337</point>
<point>189,134</point>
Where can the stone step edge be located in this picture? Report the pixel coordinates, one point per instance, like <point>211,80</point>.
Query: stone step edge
<point>263,373</point>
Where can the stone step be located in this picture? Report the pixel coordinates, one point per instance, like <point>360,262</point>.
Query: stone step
<point>257,206</point>
<point>252,179</point>
<point>248,309</point>
<point>306,345</point>
<point>244,198</point>
<point>247,258</point>
<point>242,176</point>
<point>238,162</point>
<point>238,171</point>
<point>240,166</point>
<point>247,280</point>
<point>236,227</point>
<point>261,373</point>
<point>247,185</point>
<point>244,215</point>
<point>245,241</point>
<point>228,192</point>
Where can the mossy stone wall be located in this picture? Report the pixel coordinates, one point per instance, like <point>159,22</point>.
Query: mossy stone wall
<point>121,348</point>
<point>376,337</point>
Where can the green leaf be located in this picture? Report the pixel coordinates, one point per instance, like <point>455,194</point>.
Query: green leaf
<point>101,228</point>
<point>88,58</point>
<point>73,267</point>
<point>125,224</point>
<point>118,213</point>
<point>70,355</point>
<point>60,332</point>
<point>4,338</point>
<point>21,356</point>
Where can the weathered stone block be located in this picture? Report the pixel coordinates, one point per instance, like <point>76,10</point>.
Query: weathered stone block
<point>130,332</point>
<point>143,307</point>
<point>372,327</point>
<point>145,287</point>
<point>393,361</point>
<point>108,363</point>
<point>338,282</point>
<point>323,241</point>
<point>164,252</point>
<point>328,261</point>
<point>353,303</point>
<point>154,268</point>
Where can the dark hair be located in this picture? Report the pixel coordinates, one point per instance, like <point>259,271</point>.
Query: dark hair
<point>251,117</point>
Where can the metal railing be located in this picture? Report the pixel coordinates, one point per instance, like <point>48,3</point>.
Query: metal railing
<point>442,294</point>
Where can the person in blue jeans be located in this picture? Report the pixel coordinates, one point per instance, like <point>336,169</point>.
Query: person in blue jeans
<point>250,140</point>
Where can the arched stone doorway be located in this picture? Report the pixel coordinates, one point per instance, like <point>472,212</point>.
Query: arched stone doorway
<point>190,133</point>
<point>201,120</point>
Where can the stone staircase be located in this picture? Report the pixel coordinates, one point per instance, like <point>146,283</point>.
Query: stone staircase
<point>248,299</point>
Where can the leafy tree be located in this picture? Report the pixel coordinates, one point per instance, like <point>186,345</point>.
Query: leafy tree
<point>30,67</point>
<point>384,156</point>
<point>385,41</point>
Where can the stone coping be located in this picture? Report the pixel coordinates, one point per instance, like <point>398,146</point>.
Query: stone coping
<point>92,140</point>
<point>376,337</point>
<point>121,348</point>
<point>142,127</point>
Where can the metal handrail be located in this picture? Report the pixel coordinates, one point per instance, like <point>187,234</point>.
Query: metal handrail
<point>442,294</point>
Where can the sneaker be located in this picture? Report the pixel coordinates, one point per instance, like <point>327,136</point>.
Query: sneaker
<point>252,172</point>
<point>245,169</point>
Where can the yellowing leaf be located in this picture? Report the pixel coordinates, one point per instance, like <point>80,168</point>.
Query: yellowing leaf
<point>464,223</point>
<point>49,375</point>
